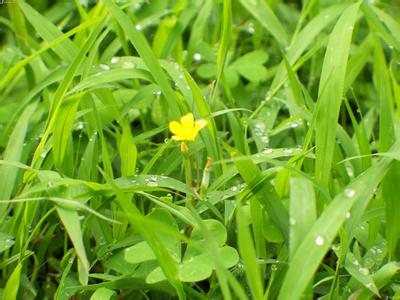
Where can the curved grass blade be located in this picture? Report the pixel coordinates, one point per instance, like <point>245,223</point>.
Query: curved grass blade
<point>146,53</point>
<point>330,92</point>
<point>72,224</point>
<point>67,50</point>
<point>62,90</point>
<point>13,152</point>
<point>264,14</point>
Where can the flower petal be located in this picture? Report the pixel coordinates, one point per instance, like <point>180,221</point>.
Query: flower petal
<point>201,123</point>
<point>177,138</point>
<point>187,121</point>
<point>176,128</point>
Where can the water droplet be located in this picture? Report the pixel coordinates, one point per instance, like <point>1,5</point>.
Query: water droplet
<point>349,192</point>
<point>299,148</point>
<point>288,150</point>
<point>265,139</point>
<point>335,247</point>
<point>152,181</point>
<point>268,150</point>
<point>294,124</point>
<point>180,76</point>
<point>234,188</point>
<point>355,262</point>
<point>350,171</point>
<point>369,285</point>
<point>157,94</point>
<point>258,132</point>
<point>138,27</point>
<point>49,184</point>
<point>71,260</point>
<point>43,154</point>
<point>166,140</point>
<point>128,65</point>
<point>292,221</point>
<point>197,57</point>
<point>80,126</point>
<point>274,268</point>
<point>351,27</point>
<point>250,29</point>
<point>102,241</point>
<point>348,215</point>
<point>104,67</point>
<point>364,271</point>
<point>114,60</point>
<point>260,126</point>
<point>319,240</point>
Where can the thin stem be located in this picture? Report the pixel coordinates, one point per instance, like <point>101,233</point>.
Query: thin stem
<point>196,158</point>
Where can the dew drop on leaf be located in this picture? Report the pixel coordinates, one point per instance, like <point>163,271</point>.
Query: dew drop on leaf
<point>319,240</point>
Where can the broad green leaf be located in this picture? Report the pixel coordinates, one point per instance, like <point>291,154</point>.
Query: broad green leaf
<point>198,267</point>
<point>216,228</point>
<point>139,253</point>
<point>197,264</point>
<point>103,294</point>
<point>250,65</point>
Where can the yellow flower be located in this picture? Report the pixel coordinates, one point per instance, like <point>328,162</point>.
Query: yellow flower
<point>187,129</point>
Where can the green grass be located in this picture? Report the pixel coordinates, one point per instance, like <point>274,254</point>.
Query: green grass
<point>289,192</point>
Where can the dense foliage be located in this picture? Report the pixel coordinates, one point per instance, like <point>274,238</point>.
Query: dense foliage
<point>283,185</point>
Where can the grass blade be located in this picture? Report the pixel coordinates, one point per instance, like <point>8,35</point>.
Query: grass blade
<point>331,89</point>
